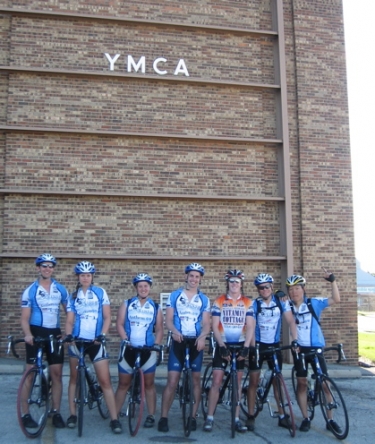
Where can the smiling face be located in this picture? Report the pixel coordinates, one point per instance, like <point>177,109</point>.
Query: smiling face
<point>193,280</point>
<point>143,289</point>
<point>265,291</point>
<point>296,294</point>
<point>234,287</point>
<point>45,270</point>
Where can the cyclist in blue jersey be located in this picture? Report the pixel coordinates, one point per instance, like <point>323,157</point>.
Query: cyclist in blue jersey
<point>268,310</point>
<point>137,320</point>
<point>187,314</point>
<point>307,314</point>
<point>89,317</point>
<point>40,317</point>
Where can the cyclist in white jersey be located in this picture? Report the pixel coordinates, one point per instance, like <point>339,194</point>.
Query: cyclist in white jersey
<point>187,314</point>
<point>137,320</point>
<point>89,317</point>
<point>40,317</point>
<point>310,335</point>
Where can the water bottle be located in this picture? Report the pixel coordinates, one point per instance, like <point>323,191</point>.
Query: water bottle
<point>45,371</point>
<point>91,376</point>
<point>266,378</point>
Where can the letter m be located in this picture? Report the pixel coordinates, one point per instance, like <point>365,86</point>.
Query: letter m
<point>141,64</point>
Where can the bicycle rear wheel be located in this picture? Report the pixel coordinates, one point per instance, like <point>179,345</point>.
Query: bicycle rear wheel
<point>285,403</point>
<point>333,407</point>
<point>33,400</point>
<point>206,386</point>
<point>310,391</point>
<point>80,398</point>
<point>234,401</point>
<point>244,391</point>
<point>102,405</point>
<point>187,400</point>
<point>136,401</point>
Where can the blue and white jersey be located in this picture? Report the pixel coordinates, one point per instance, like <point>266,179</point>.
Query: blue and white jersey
<point>45,306</point>
<point>140,321</point>
<point>309,331</point>
<point>268,320</point>
<point>88,310</point>
<point>187,315</point>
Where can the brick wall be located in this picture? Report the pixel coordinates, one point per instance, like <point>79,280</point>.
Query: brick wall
<point>174,166</point>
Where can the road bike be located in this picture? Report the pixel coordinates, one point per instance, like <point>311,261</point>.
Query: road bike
<point>229,392</point>
<point>136,392</point>
<point>88,391</point>
<point>323,391</point>
<point>34,391</point>
<point>266,381</point>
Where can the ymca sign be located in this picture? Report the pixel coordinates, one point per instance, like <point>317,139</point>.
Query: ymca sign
<point>157,65</point>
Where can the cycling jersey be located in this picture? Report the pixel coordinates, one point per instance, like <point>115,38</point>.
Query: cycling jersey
<point>188,314</point>
<point>232,313</point>
<point>45,306</point>
<point>140,321</point>
<point>309,331</point>
<point>268,320</point>
<point>88,309</point>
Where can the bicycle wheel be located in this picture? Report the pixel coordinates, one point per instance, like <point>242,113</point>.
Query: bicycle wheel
<point>333,407</point>
<point>206,386</point>
<point>234,400</point>
<point>243,400</point>
<point>136,401</point>
<point>33,400</point>
<point>285,403</point>
<point>310,391</point>
<point>187,400</point>
<point>102,405</point>
<point>80,398</point>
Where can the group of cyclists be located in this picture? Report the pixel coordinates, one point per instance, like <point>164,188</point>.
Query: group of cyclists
<point>233,317</point>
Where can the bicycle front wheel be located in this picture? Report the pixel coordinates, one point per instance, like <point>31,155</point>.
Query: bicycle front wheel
<point>309,392</point>
<point>80,398</point>
<point>33,402</point>
<point>333,407</point>
<point>234,401</point>
<point>285,403</point>
<point>136,401</point>
<point>102,405</point>
<point>245,387</point>
<point>187,400</point>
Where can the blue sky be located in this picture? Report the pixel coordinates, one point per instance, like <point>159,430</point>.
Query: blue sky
<point>359,42</point>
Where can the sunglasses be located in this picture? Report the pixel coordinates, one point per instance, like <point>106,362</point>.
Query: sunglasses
<point>234,281</point>
<point>264,287</point>
<point>47,266</point>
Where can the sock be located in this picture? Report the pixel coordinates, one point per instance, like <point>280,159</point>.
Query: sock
<point>210,417</point>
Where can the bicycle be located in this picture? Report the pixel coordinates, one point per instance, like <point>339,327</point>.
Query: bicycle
<point>228,393</point>
<point>136,390</point>
<point>88,390</point>
<point>265,383</point>
<point>323,391</point>
<point>34,391</point>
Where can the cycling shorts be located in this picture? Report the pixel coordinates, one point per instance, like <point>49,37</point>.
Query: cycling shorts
<point>264,357</point>
<point>148,361</point>
<point>92,349</point>
<point>51,358</point>
<point>177,357</point>
<point>219,363</point>
<point>298,363</point>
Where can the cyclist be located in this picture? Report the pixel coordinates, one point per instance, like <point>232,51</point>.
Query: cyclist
<point>232,323</point>
<point>89,317</point>
<point>137,319</point>
<point>40,317</point>
<point>307,314</point>
<point>187,314</point>
<point>268,311</point>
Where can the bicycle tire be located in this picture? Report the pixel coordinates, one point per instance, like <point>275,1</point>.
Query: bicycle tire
<point>206,386</point>
<point>341,418</point>
<point>136,401</point>
<point>80,397</point>
<point>310,392</point>
<point>102,405</point>
<point>234,401</point>
<point>285,402</point>
<point>34,388</point>
<point>243,400</point>
<point>187,401</point>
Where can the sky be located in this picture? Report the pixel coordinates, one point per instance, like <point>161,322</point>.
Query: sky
<point>359,18</point>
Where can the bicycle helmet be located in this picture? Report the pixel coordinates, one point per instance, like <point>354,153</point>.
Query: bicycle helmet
<point>295,279</point>
<point>84,267</point>
<point>45,257</point>
<point>263,278</point>
<point>234,274</point>
<point>194,266</point>
<point>142,277</point>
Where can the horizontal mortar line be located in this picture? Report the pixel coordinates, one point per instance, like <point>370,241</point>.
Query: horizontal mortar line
<point>28,191</point>
<point>112,74</point>
<point>33,129</point>
<point>122,19</point>
<point>150,257</point>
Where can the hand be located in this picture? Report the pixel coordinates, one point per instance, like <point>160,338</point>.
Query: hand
<point>294,345</point>
<point>69,338</point>
<point>200,343</point>
<point>157,347</point>
<point>328,276</point>
<point>101,338</point>
<point>244,352</point>
<point>224,352</point>
<point>29,339</point>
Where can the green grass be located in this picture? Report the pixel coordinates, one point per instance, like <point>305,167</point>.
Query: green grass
<point>366,345</point>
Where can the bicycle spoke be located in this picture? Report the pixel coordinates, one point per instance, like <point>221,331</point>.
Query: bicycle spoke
<point>285,403</point>
<point>333,408</point>
<point>309,392</point>
<point>206,386</point>
<point>136,402</point>
<point>33,400</point>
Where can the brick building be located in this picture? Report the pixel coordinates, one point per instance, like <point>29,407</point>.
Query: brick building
<point>145,135</point>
